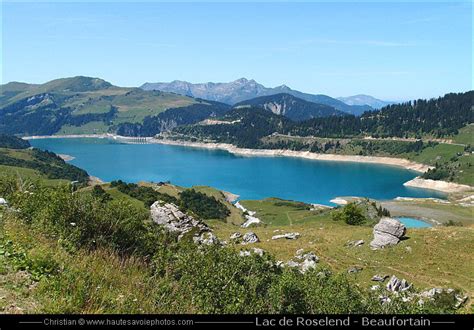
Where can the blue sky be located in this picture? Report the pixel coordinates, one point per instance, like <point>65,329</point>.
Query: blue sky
<point>389,50</point>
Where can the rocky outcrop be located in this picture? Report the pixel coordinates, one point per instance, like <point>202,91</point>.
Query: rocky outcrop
<point>397,285</point>
<point>432,294</point>
<point>206,238</point>
<point>248,253</point>
<point>287,236</point>
<point>304,261</point>
<point>387,232</point>
<point>403,290</point>
<point>249,238</point>
<point>172,219</point>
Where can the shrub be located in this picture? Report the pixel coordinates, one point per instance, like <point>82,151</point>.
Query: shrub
<point>350,214</point>
<point>148,195</point>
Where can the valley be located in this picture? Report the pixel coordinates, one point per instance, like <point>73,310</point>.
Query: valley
<point>339,176</point>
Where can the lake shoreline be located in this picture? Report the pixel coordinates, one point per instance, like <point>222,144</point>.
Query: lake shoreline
<point>443,186</point>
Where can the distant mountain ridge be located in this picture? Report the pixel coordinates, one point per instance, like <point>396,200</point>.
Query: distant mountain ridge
<point>362,99</point>
<point>243,89</point>
<point>291,107</point>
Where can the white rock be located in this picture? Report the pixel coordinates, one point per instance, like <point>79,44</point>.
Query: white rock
<point>292,264</point>
<point>250,237</point>
<point>387,232</point>
<point>397,285</point>
<point>244,253</point>
<point>379,278</point>
<point>287,236</point>
<point>235,236</point>
<point>251,221</point>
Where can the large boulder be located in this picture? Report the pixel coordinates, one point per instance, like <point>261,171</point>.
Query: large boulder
<point>172,219</point>
<point>387,231</point>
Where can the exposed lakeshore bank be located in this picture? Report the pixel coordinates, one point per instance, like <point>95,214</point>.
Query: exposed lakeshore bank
<point>400,162</point>
<point>443,186</point>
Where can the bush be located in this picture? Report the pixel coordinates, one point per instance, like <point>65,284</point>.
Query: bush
<point>350,214</point>
<point>99,193</point>
<point>451,223</point>
<point>147,195</point>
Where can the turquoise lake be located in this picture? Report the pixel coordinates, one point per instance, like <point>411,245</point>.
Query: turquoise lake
<point>414,223</point>
<point>299,179</point>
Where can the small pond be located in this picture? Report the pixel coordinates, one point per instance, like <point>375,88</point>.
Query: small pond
<point>414,223</point>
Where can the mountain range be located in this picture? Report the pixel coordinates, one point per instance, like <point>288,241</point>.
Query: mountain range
<point>85,105</point>
<point>362,99</point>
<point>291,107</point>
<point>243,89</point>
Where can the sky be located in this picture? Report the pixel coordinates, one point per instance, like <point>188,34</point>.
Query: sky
<point>393,51</point>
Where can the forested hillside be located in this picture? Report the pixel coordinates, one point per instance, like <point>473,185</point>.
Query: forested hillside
<point>437,118</point>
<point>15,154</point>
<point>172,118</point>
<point>245,129</point>
<point>12,142</point>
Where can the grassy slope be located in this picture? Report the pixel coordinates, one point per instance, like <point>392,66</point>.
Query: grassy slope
<point>120,284</point>
<point>466,135</point>
<point>327,239</point>
<point>439,257</point>
<point>133,105</point>
<point>93,96</point>
<point>30,174</point>
<point>443,153</point>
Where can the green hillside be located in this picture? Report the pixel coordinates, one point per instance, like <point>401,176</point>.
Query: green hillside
<point>18,159</point>
<point>80,105</point>
<point>95,250</point>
